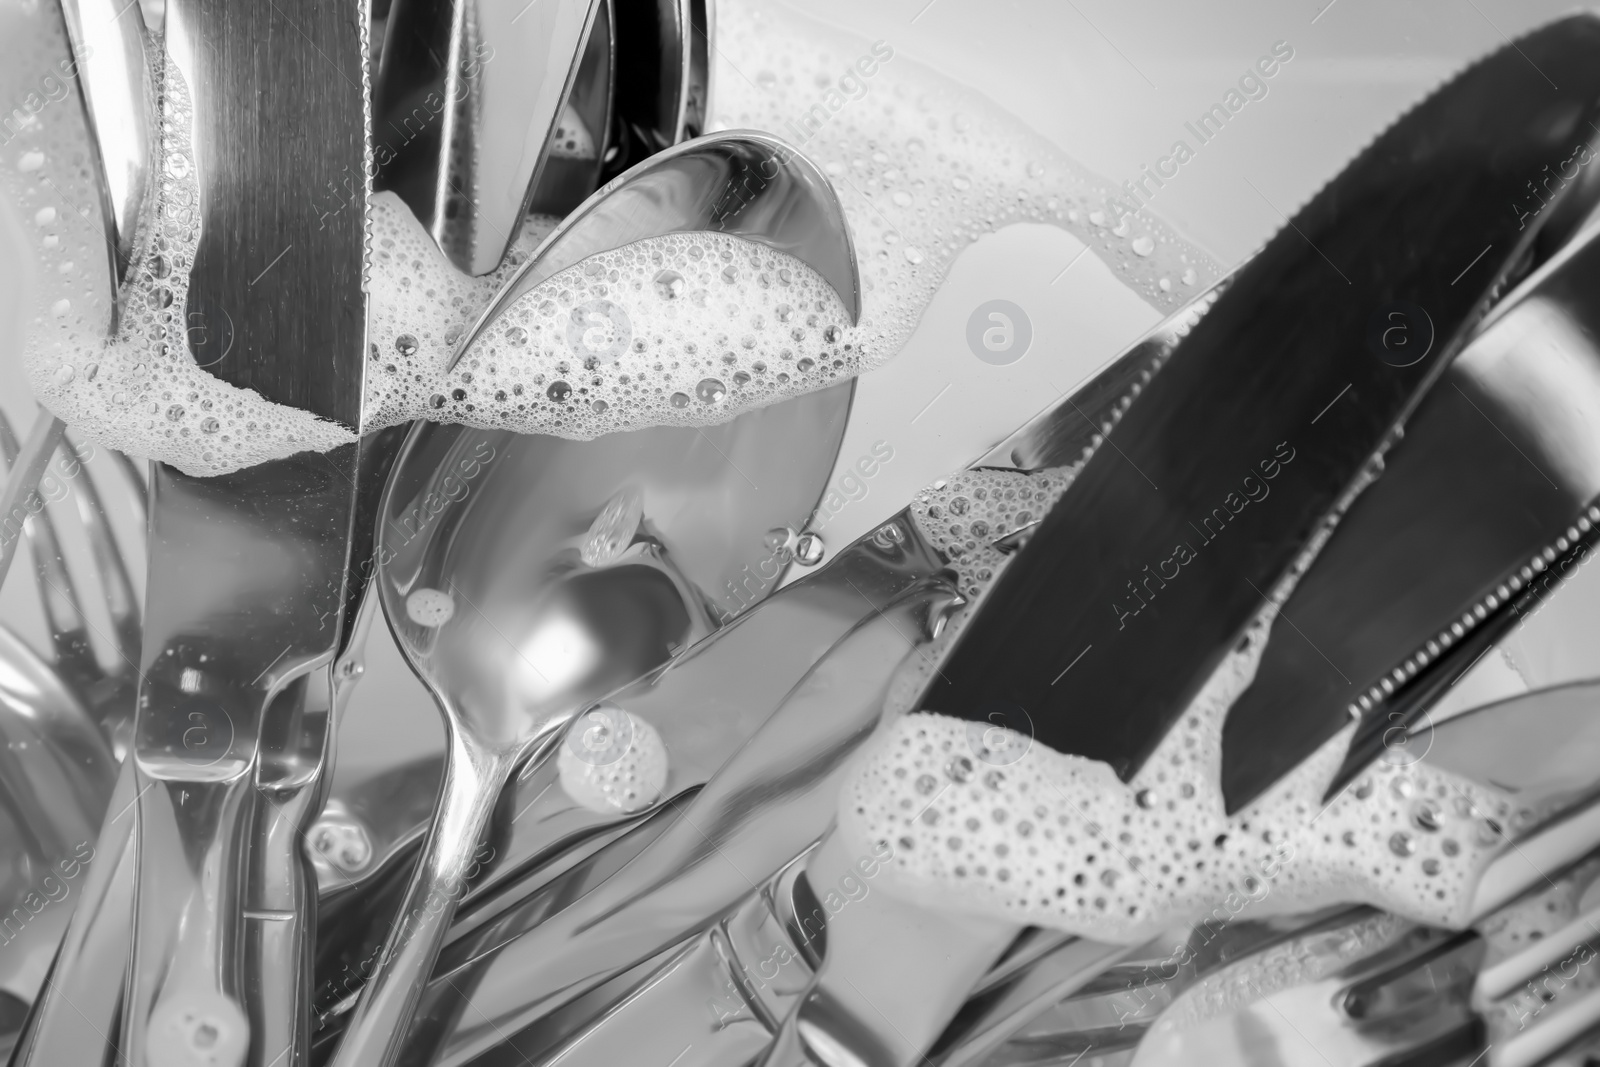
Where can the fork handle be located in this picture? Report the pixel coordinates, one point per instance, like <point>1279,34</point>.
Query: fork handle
<point>182,1007</point>
<point>379,1025</point>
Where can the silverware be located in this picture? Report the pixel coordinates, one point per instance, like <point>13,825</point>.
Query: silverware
<point>474,91</point>
<point>244,569</point>
<point>534,632</point>
<point>1400,602</point>
<point>663,80</point>
<point>115,88</point>
<point>593,609</point>
<point>1230,398</point>
<point>1344,995</point>
<point>754,691</point>
<point>717,183</point>
<point>1227,402</point>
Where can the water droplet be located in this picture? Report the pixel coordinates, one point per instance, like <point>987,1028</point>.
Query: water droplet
<point>1487,833</point>
<point>1035,169</point>
<point>994,780</point>
<point>669,284</point>
<point>1430,866</point>
<point>558,391</point>
<point>63,374</point>
<point>1144,799</point>
<point>159,297</point>
<point>61,307</point>
<point>784,312</point>
<point>516,335</point>
<point>612,530</point>
<point>730,274</point>
<point>926,784</point>
<point>44,216</point>
<point>406,345</point>
<point>175,412</point>
<point>177,165</point>
<point>1190,277</point>
<point>1401,844</point>
<point>913,255</point>
<point>1425,815</point>
<point>436,401</point>
<point>1143,245</point>
<point>91,372</point>
<point>680,400</point>
<point>805,364</point>
<point>808,549</point>
<point>959,770</point>
<point>710,391</point>
<point>901,198</point>
<point>209,425</point>
<point>31,160</point>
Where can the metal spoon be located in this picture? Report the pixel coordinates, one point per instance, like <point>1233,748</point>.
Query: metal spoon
<point>525,577</point>
<point>473,90</point>
<point>720,182</point>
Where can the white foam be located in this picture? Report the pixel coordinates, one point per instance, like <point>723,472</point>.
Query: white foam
<point>139,391</point>
<point>922,166</point>
<point>1058,840</point>
<point>612,761</point>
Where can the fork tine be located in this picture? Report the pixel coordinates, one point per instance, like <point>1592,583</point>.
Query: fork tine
<point>63,611</point>
<point>111,568</point>
<point>22,481</point>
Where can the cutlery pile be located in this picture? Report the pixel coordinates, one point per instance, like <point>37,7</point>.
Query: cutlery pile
<point>1337,466</point>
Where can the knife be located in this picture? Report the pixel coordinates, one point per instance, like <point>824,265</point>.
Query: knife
<point>778,700</point>
<point>1256,436</point>
<point>1471,523</point>
<point>245,569</point>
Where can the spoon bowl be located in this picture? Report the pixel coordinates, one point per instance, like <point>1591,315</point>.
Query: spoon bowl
<point>525,577</point>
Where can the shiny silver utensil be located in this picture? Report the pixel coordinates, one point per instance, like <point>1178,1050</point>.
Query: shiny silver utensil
<point>56,770</point>
<point>292,778</point>
<point>500,612</point>
<point>1315,290</point>
<point>243,567</point>
<point>595,609</point>
<point>755,721</point>
<point>467,98</point>
<point>716,183</point>
<point>663,82</point>
<point>1071,595</point>
<point>581,141</point>
<point>115,88</point>
<point>1498,465</point>
<point>1405,1002</point>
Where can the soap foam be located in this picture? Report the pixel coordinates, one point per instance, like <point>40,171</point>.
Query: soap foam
<point>612,761</point>
<point>139,390</point>
<point>922,167</point>
<point>988,821</point>
<point>1058,840</point>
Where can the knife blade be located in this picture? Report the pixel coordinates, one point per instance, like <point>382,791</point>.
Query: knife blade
<point>1257,433</point>
<point>247,571</point>
<point>1496,466</point>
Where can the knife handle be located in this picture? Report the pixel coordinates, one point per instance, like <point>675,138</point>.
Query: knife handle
<point>74,1020</point>
<point>182,1005</point>
<point>473,782</point>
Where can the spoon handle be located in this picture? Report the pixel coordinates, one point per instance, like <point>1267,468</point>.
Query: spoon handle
<point>472,786</point>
